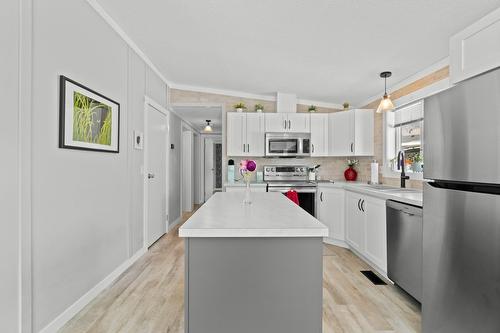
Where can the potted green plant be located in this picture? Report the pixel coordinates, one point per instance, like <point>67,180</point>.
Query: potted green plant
<point>239,107</point>
<point>416,162</point>
<point>346,105</point>
<point>312,108</point>
<point>259,108</point>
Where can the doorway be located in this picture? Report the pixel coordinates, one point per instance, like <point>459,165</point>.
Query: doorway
<point>155,172</point>
<point>212,166</point>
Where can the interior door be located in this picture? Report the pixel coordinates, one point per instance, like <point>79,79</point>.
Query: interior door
<point>209,168</point>
<point>341,133</point>
<point>255,134</point>
<point>156,147</point>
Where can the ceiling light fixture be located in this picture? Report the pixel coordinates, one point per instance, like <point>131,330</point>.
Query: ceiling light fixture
<point>208,128</point>
<point>386,103</point>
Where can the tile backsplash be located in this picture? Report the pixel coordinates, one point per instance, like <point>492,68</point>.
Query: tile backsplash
<point>331,167</point>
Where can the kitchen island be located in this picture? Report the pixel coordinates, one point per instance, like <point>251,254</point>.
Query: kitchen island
<point>253,268</point>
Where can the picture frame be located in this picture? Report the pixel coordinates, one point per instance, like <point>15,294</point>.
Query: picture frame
<point>88,120</point>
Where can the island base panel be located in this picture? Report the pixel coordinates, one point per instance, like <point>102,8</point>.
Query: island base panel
<point>253,285</point>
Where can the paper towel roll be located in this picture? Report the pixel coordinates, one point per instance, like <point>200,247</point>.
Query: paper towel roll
<point>374,172</point>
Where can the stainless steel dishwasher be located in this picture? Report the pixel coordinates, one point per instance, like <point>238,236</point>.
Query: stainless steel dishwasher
<point>404,247</point>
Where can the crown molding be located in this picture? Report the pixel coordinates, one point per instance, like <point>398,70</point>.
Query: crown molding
<point>415,77</point>
<point>226,92</point>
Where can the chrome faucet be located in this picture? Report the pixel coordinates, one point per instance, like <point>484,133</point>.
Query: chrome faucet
<point>401,165</point>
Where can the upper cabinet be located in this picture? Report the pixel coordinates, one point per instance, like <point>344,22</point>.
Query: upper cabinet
<point>245,134</point>
<point>351,133</point>
<point>476,49</point>
<point>319,134</point>
<point>288,122</point>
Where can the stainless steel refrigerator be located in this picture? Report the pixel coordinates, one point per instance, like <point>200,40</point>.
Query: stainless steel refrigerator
<point>461,228</point>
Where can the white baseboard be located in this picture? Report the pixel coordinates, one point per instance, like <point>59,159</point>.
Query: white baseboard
<point>336,242</point>
<point>173,225</point>
<point>70,312</point>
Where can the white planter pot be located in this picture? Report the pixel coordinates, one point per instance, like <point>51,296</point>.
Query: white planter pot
<point>239,110</point>
<point>259,110</point>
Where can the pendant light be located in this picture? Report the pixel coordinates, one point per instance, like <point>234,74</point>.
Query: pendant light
<point>208,128</point>
<point>386,103</point>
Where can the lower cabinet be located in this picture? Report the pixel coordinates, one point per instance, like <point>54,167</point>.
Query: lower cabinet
<point>330,211</point>
<point>366,228</point>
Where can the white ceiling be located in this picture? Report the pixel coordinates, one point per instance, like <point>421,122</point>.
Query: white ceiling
<point>197,116</point>
<point>323,50</point>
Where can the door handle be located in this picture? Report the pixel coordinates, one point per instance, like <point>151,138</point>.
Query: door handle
<point>321,196</point>
<point>248,147</point>
<point>363,206</point>
<point>352,148</point>
<point>285,123</point>
<point>359,201</point>
<point>289,124</point>
<point>151,175</point>
<point>243,147</point>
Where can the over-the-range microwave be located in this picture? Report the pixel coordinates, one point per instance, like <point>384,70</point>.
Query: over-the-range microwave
<point>288,144</point>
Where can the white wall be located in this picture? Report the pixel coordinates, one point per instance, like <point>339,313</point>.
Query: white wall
<point>87,206</point>
<point>9,219</point>
<point>174,204</point>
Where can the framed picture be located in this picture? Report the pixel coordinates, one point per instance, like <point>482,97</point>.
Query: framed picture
<point>87,119</point>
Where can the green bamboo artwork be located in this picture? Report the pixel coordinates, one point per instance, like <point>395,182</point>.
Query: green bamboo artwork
<point>91,120</point>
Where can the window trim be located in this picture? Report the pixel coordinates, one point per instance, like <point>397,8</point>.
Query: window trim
<point>387,172</point>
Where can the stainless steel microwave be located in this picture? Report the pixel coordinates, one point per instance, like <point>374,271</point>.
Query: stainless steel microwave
<point>288,144</point>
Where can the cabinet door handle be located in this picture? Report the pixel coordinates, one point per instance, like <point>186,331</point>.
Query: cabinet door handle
<point>243,147</point>
<point>359,201</point>
<point>151,175</point>
<point>248,147</point>
<point>285,123</point>
<point>312,145</point>
<point>321,196</point>
<point>363,206</point>
<point>289,124</point>
<point>352,148</point>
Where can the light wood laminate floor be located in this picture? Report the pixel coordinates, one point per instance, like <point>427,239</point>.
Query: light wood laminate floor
<point>149,297</point>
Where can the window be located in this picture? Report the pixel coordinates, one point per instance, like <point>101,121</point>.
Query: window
<point>404,132</point>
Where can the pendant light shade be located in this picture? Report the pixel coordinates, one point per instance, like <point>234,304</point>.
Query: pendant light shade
<point>208,128</point>
<point>386,103</point>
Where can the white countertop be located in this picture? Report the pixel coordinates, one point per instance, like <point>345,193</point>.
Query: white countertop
<point>269,215</point>
<point>412,197</point>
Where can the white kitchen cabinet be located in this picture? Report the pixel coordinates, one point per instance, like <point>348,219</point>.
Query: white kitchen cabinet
<point>330,211</point>
<point>366,228</point>
<point>475,49</point>
<point>245,134</point>
<point>319,134</point>
<point>376,231</point>
<point>276,122</point>
<point>355,221</point>
<point>351,133</point>
<point>255,134</point>
<point>287,122</point>
<point>341,133</point>
<point>299,123</point>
